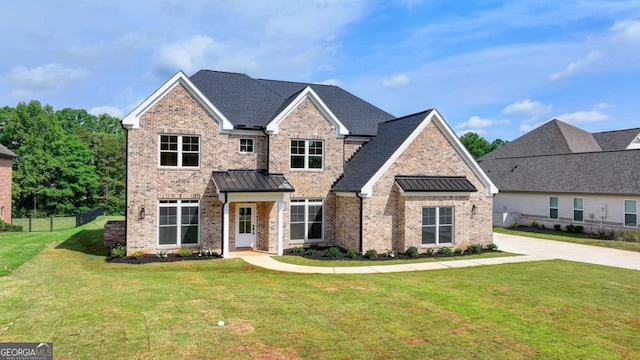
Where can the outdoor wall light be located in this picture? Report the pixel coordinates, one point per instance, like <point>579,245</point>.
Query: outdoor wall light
<point>142,213</point>
<point>474,210</point>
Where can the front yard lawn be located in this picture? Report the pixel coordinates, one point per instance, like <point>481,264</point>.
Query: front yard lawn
<point>573,238</point>
<point>92,309</point>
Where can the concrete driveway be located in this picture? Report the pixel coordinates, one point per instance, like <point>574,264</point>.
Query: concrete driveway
<point>568,251</point>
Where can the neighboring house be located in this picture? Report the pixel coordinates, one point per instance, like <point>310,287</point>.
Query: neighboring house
<point>560,174</point>
<point>225,161</point>
<point>6,156</point>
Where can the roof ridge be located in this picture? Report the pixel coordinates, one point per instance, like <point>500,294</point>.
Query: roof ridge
<point>406,116</point>
<point>563,154</point>
<point>619,130</point>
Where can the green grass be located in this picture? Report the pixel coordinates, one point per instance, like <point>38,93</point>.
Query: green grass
<point>91,309</point>
<point>573,238</point>
<point>299,260</point>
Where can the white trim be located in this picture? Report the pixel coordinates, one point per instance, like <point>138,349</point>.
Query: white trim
<point>254,229</point>
<point>341,130</point>
<point>441,124</point>
<point>437,225</point>
<point>132,120</point>
<point>306,155</point>
<point>306,202</point>
<point>346,194</point>
<point>280,225</point>
<point>253,144</point>
<point>624,213</point>
<point>179,152</point>
<point>179,204</point>
<point>635,144</point>
<point>573,205</point>
<point>557,207</point>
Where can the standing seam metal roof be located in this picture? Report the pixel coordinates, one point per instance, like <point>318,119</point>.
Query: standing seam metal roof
<point>435,183</point>
<point>250,181</point>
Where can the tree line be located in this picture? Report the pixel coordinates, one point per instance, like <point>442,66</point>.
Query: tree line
<point>479,146</point>
<point>69,161</point>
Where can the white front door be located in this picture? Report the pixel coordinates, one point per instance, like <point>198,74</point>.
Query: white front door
<point>245,225</point>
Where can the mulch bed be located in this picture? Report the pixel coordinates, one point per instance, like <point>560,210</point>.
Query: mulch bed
<point>320,255</point>
<point>150,258</point>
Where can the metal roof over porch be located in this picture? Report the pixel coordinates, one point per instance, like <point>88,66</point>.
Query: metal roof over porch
<point>435,184</point>
<point>250,181</point>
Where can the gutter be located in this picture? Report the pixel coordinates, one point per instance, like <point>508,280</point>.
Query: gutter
<point>126,182</point>
<point>264,131</point>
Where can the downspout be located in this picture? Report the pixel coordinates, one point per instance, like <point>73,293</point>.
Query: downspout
<point>268,160</point>
<point>361,222</point>
<point>126,182</point>
<point>226,200</point>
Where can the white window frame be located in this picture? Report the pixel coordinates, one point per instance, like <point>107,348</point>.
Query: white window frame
<point>625,213</point>
<point>247,140</point>
<point>179,152</point>
<point>437,225</point>
<point>179,205</point>
<point>306,203</point>
<point>577,209</point>
<point>556,208</point>
<point>306,155</point>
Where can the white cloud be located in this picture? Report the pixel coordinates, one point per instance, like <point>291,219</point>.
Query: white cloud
<point>480,132</point>
<point>48,78</point>
<point>334,82</point>
<point>583,117</point>
<point>478,125</point>
<point>396,81</point>
<point>528,107</point>
<point>526,127</point>
<point>110,110</point>
<point>577,66</point>
<point>187,55</point>
<point>627,31</point>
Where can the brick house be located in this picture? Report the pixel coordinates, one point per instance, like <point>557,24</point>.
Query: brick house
<point>6,156</point>
<point>225,161</point>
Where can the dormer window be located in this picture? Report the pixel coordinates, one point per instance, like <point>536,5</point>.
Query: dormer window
<point>307,154</point>
<point>246,146</point>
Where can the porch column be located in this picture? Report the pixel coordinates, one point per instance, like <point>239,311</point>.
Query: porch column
<point>280,216</point>
<point>225,228</point>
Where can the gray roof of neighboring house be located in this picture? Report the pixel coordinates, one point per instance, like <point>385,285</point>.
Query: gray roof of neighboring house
<point>435,183</point>
<point>6,153</point>
<point>370,158</point>
<point>250,181</point>
<point>604,172</point>
<point>557,157</point>
<point>253,103</point>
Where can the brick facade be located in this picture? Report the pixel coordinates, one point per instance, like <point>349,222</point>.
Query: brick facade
<point>391,221</point>
<point>5,189</point>
<point>114,232</point>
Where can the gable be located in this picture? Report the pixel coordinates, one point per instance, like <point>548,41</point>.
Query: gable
<point>132,120</point>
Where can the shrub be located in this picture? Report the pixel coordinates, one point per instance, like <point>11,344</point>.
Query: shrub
<point>629,235</point>
<point>458,251</point>
<point>206,252</point>
<point>371,254</point>
<point>390,253</point>
<point>351,253</point>
<point>446,251</point>
<point>516,224</point>
<point>310,251</point>
<point>412,251</point>
<point>475,248</point>
<point>542,226</point>
<point>557,227</point>
<point>5,226</point>
<point>332,252</point>
<point>569,228</point>
<point>297,250</point>
<point>603,234</point>
<point>534,224</point>
<point>161,254</point>
<point>118,250</point>
<point>137,254</point>
<point>184,251</point>
<point>578,229</point>
<point>430,252</point>
<point>492,246</point>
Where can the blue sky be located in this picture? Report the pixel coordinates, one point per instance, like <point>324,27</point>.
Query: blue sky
<point>493,67</point>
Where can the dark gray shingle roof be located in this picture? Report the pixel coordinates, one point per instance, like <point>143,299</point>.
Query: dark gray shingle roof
<point>6,153</point>
<point>616,140</point>
<point>250,181</point>
<point>604,172</point>
<point>435,183</point>
<point>255,102</point>
<point>370,158</point>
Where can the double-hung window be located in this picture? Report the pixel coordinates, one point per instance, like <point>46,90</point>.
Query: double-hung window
<point>437,225</point>
<point>578,209</point>
<point>246,146</point>
<point>306,219</point>
<point>179,150</point>
<point>631,213</point>
<point>553,207</point>
<point>179,222</point>
<point>307,154</point>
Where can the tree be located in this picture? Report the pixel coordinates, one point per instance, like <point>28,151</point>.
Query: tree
<point>476,144</point>
<point>495,144</point>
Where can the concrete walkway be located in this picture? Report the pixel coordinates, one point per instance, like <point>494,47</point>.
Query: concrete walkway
<point>533,250</point>
<point>568,251</point>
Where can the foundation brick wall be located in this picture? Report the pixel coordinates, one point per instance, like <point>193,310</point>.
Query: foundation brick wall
<point>114,232</point>
<point>5,188</point>
<point>391,219</point>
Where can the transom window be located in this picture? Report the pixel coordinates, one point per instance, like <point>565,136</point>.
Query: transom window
<point>179,150</point>
<point>246,146</point>
<point>578,209</point>
<point>553,207</point>
<point>179,222</point>
<point>306,154</point>
<point>631,213</point>
<point>306,219</point>
<point>437,225</point>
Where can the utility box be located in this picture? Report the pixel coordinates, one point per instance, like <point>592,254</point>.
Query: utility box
<point>603,211</point>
